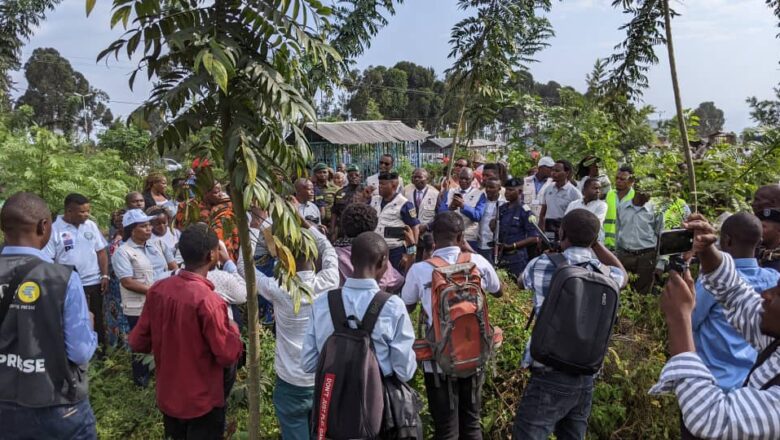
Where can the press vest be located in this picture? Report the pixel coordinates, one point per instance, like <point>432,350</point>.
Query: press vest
<point>471,198</point>
<point>143,272</point>
<point>389,216</point>
<point>610,221</point>
<point>427,209</point>
<point>34,367</point>
<point>532,198</point>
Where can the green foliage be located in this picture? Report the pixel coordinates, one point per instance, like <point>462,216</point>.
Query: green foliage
<point>60,96</point>
<point>711,119</point>
<point>131,142</point>
<point>404,169</point>
<point>622,409</point>
<point>39,161</point>
<point>767,112</point>
<point>18,20</point>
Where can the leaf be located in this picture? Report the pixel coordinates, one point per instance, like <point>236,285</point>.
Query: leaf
<point>90,6</point>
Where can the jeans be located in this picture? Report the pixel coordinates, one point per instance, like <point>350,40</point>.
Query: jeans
<point>293,409</point>
<point>209,426</point>
<point>461,421</point>
<point>141,373</point>
<point>76,422</point>
<point>554,402</point>
<point>95,302</point>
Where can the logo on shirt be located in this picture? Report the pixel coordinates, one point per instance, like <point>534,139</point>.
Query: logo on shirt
<point>28,292</point>
<point>89,235</point>
<point>67,241</point>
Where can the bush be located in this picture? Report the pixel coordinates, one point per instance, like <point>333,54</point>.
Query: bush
<point>622,409</point>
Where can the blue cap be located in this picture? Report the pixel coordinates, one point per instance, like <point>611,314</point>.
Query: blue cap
<point>134,216</point>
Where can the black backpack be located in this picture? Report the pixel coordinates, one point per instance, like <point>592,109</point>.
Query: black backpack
<point>348,391</point>
<point>575,322</point>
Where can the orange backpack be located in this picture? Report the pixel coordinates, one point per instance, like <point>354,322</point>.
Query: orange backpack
<point>460,339</point>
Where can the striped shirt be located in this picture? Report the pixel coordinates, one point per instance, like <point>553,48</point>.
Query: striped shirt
<point>745,412</point>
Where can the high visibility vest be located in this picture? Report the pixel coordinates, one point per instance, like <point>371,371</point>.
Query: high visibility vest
<point>610,222</point>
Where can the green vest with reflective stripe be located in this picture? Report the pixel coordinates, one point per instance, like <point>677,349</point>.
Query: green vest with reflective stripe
<point>610,222</point>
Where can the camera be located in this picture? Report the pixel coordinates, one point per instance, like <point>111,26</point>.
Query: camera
<point>673,244</point>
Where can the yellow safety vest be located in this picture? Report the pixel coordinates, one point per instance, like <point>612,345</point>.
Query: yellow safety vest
<point>610,222</point>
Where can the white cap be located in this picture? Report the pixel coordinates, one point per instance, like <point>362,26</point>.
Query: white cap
<point>134,216</point>
<point>546,161</point>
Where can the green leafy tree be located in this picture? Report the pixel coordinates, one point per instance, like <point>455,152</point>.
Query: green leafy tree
<point>487,47</point>
<point>60,96</point>
<point>18,20</point>
<point>131,142</point>
<point>372,112</point>
<point>42,162</point>
<point>243,68</point>
<point>711,119</point>
<point>766,112</point>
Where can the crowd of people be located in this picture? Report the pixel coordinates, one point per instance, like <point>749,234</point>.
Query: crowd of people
<point>168,279</point>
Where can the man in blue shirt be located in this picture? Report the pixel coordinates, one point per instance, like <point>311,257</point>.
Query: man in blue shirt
<point>553,400</point>
<point>393,335</point>
<point>29,412</point>
<point>469,202</point>
<point>724,351</point>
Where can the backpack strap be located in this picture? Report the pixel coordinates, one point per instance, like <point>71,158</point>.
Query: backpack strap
<point>337,314</point>
<point>437,262</point>
<point>558,260</point>
<point>20,272</point>
<point>464,257</point>
<point>374,309</point>
<point>762,357</point>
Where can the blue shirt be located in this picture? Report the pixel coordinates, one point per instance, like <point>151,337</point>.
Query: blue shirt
<point>515,226</point>
<point>80,340</point>
<point>474,213</point>
<point>393,335</point>
<point>538,276</point>
<point>724,351</point>
<point>538,184</point>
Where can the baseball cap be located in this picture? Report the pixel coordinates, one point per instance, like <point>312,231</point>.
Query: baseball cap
<point>352,167</point>
<point>546,161</point>
<point>320,166</point>
<point>770,214</point>
<point>134,216</point>
<point>590,160</point>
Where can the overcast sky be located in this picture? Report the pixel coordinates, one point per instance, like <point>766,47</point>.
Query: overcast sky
<point>726,49</point>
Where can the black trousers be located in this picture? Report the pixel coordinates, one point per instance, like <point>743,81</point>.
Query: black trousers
<point>456,415</point>
<point>209,426</point>
<point>95,303</point>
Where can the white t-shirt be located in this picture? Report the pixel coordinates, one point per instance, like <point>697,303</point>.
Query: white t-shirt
<point>171,239</point>
<point>418,281</point>
<point>77,246</point>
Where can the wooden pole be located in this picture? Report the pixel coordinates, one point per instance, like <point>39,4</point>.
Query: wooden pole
<point>678,104</point>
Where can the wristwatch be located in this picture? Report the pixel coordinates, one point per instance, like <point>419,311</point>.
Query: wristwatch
<point>105,277</point>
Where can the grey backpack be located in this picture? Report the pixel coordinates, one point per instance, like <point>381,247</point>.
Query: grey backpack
<point>575,321</point>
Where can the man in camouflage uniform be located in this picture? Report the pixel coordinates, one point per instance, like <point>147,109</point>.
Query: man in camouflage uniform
<point>324,192</point>
<point>353,192</point>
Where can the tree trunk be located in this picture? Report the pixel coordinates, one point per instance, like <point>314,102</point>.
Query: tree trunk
<point>678,104</point>
<point>455,139</point>
<point>253,326</point>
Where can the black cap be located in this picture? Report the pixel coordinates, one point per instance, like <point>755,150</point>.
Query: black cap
<point>513,183</point>
<point>770,214</point>
<point>392,175</point>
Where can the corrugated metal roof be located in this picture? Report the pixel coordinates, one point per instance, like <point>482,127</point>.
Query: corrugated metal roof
<point>442,143</point>
<point>365,132</point>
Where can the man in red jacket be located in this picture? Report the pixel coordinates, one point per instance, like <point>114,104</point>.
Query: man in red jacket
<point>185,324</point>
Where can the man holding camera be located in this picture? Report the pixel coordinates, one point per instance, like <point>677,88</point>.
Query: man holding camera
<point>397,216</point>
<point>467,201</point>
<point>707,410</point>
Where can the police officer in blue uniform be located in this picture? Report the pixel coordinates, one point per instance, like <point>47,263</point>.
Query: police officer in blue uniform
<point>515,231</point>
